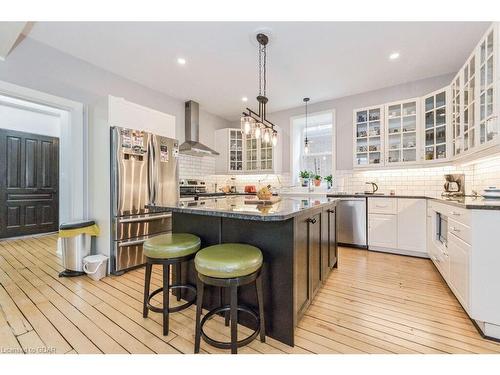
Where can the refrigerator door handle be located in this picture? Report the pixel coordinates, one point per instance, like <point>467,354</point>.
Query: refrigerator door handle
<point>151,171</point>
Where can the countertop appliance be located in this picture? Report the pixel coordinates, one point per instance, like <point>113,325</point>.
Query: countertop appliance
<point>143,172</point>
<point>352,222</point>
<point>194,189</point>
<point>454,185</point>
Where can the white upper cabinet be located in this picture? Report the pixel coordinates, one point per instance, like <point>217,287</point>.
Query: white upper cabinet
<point>243,154</point>
<point>488,86</point>
<point>436,117</point>
<point>401,132</point>
<point>468,109</point>
<point>369,136</point>
<point>450,123</point>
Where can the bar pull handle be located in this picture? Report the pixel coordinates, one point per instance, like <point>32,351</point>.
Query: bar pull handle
<point>149,218</point>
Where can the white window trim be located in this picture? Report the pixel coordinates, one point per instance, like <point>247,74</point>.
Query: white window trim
<point>294,153</point>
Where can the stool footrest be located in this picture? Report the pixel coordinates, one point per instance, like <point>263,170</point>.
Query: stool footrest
<point>227,345</point>
<point>176,308</point>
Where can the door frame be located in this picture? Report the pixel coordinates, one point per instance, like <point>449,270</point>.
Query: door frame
<point>73,147</point>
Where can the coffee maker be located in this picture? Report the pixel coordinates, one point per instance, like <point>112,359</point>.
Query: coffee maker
<point>454,185</point>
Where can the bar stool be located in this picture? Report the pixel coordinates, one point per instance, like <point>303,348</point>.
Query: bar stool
<point>229,265</point>
<point>168,249</point>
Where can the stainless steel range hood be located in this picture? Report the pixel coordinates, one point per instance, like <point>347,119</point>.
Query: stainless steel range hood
<point>192,146</point>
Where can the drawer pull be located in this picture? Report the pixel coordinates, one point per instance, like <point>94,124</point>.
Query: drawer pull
<point>381,205</point>
<point>455,229</point>
<point>454,213</point>
<point>312,221</point>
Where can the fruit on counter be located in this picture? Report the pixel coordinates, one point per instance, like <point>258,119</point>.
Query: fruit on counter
<point>265,192</point>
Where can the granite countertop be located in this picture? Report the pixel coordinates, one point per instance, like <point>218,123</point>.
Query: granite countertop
<point>236,207</point>
<point>468,202</point>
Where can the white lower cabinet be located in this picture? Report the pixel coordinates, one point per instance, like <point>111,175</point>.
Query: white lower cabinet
<point>382,230</point>
<point>458,279</point>
<point>397,225</point>
<point>411,231</point>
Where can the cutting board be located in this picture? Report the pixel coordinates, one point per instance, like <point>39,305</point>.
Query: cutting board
<point>255,200</point>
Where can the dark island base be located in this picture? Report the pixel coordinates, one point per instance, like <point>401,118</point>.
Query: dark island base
<point>276,240</point>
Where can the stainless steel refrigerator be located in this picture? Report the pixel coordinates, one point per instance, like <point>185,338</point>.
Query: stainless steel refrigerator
<point>143,172</point>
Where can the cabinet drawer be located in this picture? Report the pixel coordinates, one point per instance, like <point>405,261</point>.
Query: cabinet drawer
<point>460,230</point>
<point>460,215</point>
<point>382,205</point>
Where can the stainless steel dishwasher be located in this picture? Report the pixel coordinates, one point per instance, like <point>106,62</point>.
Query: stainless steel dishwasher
<point>351,219</point>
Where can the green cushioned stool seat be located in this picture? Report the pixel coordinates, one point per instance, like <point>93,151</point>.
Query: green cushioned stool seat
<point>171,245</point>
<point>228,260</point>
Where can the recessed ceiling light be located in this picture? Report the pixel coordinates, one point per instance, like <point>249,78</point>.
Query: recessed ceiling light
<point>244,99</point>
<point>394,56</point>
<point>181,61</point>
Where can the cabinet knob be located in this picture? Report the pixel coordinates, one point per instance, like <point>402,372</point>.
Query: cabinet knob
<point>330,211</point>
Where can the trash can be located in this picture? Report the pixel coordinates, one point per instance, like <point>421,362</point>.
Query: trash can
<point>95,266</point>
<point>75,240</point>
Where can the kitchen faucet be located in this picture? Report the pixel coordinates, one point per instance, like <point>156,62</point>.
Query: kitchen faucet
<point>374,187</point>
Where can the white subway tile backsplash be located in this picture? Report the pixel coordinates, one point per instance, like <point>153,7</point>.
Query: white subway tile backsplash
<point>416,181</point>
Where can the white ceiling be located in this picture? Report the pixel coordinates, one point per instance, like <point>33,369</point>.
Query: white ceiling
<point>323,60</point>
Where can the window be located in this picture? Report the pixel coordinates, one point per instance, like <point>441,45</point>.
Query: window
<point>319,160</point>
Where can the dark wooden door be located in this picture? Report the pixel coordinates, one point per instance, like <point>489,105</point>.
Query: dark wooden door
<point>29,183</point>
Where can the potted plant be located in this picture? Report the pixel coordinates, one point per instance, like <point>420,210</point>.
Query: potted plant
<point>317,180</point>
<point>304,178</point>
<point>329,181</point>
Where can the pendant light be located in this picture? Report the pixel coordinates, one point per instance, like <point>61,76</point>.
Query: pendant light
<point>306,141</point>
<point>256,123</point>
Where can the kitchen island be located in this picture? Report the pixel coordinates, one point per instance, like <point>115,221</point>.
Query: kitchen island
<point>298,241</point>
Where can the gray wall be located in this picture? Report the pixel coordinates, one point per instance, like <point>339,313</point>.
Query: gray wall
<point>37,66</point>
<point>344,107</point>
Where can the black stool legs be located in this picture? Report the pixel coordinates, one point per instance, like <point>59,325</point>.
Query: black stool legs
<point>199,306</point>
<point>232,308</point>
<point>233,316</point>
<point>165,310</point>
<point>166,287</point>
<point>147,283</point>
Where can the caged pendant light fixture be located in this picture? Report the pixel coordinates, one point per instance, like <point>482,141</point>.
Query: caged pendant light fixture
<point>257,123</point>
<point>306,141</point>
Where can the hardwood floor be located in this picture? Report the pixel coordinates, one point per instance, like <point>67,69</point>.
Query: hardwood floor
<point>373,303</point>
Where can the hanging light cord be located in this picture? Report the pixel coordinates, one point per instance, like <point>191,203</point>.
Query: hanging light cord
<point>262,70</point>
<point>306,121</point>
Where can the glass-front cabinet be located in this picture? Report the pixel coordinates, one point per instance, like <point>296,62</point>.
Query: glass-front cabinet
<point>251,157</point>
<point>401,127</point>
<point>369,135</point>
<point>469,104</point>
<point>456,106</point>
<point>266,156</point>
<point>235,150</point>
<point>435,132</point>
<point>488,56</point>
<point>452,122</point>
<point>241,153</point>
